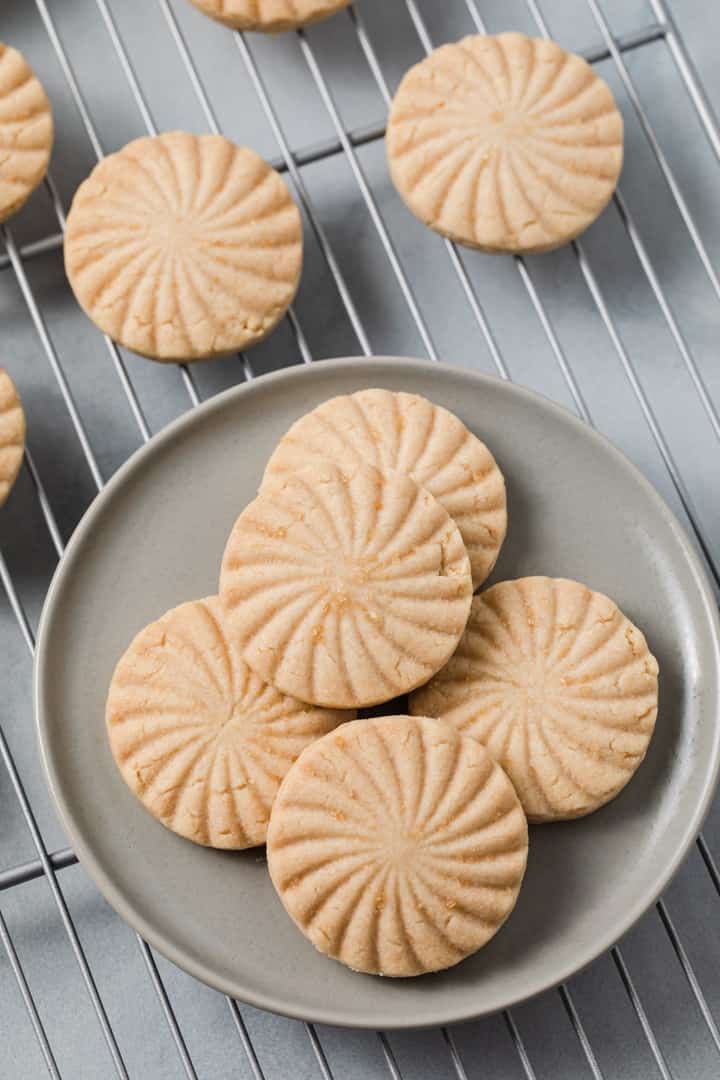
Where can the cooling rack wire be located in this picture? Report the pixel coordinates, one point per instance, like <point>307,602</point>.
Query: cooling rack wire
<point>345,142</point>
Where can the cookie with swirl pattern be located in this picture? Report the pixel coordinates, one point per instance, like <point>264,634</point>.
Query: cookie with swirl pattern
<point>397,845</point>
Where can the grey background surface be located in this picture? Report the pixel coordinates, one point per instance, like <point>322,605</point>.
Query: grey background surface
<point>624,331</point>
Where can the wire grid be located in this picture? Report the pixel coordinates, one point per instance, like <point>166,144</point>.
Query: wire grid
<point>347,143</point>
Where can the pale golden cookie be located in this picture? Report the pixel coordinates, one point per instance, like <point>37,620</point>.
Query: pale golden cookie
<point>408,434</point>
<point>269,15</point>
<point>560,687</point>
<point>12,434</point>
<point>505,143</point>
<point>184,247</point>
<point>26,131</point>
<point>345,586</point>
<point>397,846</point>
<point>197,736</point>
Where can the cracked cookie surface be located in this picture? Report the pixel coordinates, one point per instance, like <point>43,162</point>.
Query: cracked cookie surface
<point>345,585</point>
<point>184,247</point>
<point>559,685</point>
<point>397,845</point>
<point>197,736</point>
<point>505,143</point>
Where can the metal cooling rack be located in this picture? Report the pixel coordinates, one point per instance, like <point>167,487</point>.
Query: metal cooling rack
<point>622,327</point>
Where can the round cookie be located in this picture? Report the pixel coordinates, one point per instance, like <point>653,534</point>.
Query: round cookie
<point>26,131</point>
<point>505,143</point>
<point>345,586</point>
<point>271,16</point>
<point>560,687</point>
<point>197,736</point>
<point>12,434</point>
<point>184,247</point>
<point>397,845</point>
<point>408,434</point>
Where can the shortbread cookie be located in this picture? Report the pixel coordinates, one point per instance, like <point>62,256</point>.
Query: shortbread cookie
<point>505,143</point>
<point>26,131</point>
<point>409,434</point>
<point>12,434</point>
<point>397,845</point>
<point>345,586</point>
<point>560,687</point>
<point>197,736</point>
<point>184,247</point>
<point>269,15</point>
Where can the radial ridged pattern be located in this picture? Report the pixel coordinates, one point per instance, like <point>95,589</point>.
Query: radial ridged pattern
<point>26,131</point>
<point>408,434</point>
<point>269,15</point>
<point>184,246</point>
<point>397,846</point>
<point>345,586</point>
<point>197,736</point>
<point>505,143</point>
<point>560,687</point>
<point>12,434</point>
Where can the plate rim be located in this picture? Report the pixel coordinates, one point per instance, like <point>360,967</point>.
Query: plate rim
<point>156,937</point>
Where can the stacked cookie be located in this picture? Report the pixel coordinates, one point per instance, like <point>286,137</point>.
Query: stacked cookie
<point>397,844</point>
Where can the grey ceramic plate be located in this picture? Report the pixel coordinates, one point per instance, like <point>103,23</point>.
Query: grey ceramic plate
<point>154,537</point>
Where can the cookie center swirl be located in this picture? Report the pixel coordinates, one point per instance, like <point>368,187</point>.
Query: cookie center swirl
<point>172,232</point>
<point>400,847</point>
<point>507,123</point>
<point>533,688</point>
<point>534,699</point>
<point>347,583</point>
